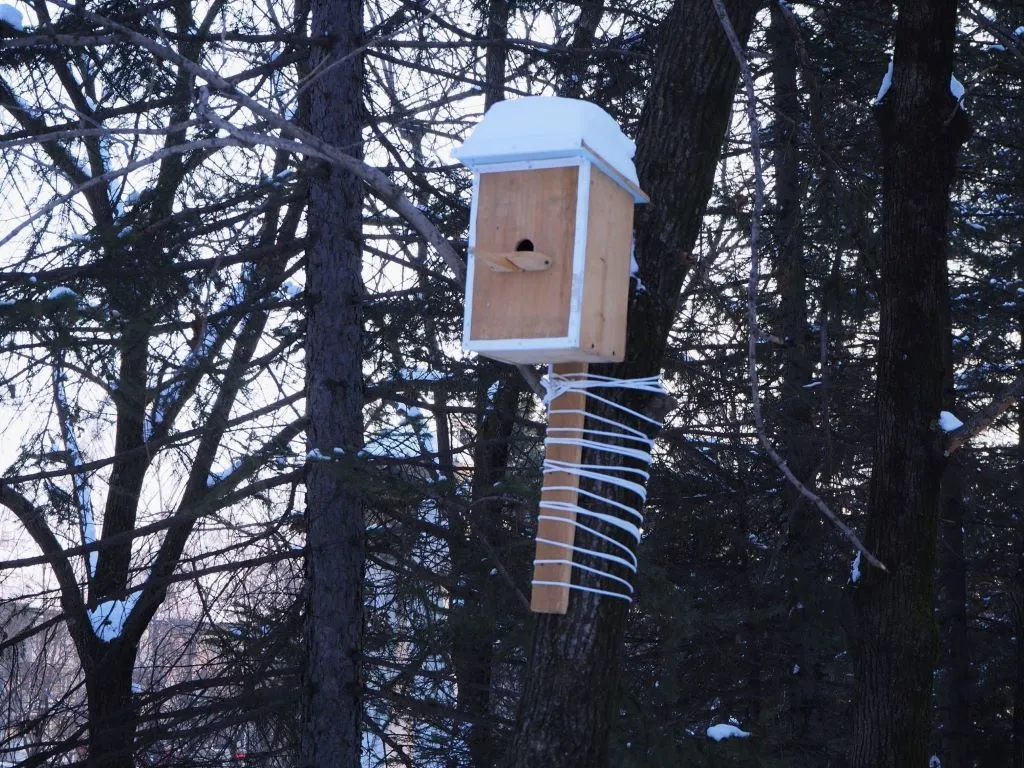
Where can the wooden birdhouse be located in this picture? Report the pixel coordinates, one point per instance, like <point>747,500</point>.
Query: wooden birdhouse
<point>550,232</point>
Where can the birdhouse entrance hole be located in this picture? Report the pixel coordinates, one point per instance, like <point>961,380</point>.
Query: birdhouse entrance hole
<point>526,244</point>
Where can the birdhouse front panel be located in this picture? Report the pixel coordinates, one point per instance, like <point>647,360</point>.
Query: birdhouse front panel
<point>519,213</point>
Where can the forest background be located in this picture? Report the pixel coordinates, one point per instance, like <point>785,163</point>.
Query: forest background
<point>259,509</point>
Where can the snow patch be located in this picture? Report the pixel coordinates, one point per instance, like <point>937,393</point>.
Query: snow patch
<point>726,731</point>
<point>948,422</point>
<point>634,268</point>
<point>60,292</point>
<point>217,477</point>
<point>956,88</point>
<point>885,86</point>
<point>108,618</point>
<point>544,127</point>
<point>12,16</point>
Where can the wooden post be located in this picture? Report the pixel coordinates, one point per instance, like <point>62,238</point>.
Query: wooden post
<point>547,598</point>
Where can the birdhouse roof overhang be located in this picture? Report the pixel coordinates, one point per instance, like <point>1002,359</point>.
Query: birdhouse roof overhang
<point>550,128</point>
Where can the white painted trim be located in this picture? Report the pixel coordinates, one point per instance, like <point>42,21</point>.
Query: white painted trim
<point>467,301</point>
<point>579,253</point>
<point>557,159</point>
<point>539,354</point>
<point>543,342</point>
<point>628,184</point>
<point>535,164</point>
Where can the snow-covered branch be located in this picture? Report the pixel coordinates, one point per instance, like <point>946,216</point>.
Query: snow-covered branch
<point>984,418</point>
<point>79,479</point>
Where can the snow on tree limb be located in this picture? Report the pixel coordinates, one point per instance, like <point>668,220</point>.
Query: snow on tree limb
<point>984,418</point>
<point>79,479</point>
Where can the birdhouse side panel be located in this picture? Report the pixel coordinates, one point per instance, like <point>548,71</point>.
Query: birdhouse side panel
<point>520,212</point>
<point>606,280</point>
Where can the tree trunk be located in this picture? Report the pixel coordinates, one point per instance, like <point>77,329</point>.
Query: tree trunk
<point>955,659</point>
<point>803,642</point>
<point>473,620</point>
<point>571,682</point>
<point>1018,605</point>
<point>336,531</point>
<point>112,715</point>
<point>497,50</point>
<point>1018,577</point>
<point>479,599</point>
<point>893,637</point>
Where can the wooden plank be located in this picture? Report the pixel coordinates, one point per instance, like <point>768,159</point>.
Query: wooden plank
<point>514,261</point>
<point>547,598</point>
<point>606,279</point>
<point>511,207</point>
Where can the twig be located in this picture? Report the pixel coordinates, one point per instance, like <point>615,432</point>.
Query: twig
<point>755,275</point>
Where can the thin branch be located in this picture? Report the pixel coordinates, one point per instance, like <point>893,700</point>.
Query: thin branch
<point>160,154</point>
<point>301,142</point>
<point>755,275</point>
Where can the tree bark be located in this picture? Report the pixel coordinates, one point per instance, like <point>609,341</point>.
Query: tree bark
<point>112,714</point>
<point>1018,576</point>
<point>474,615</point>
<point>893,635</point>
<point>498,12</point>
<point>955,659</point>
<point>336,531</point>
<point>571,682</point>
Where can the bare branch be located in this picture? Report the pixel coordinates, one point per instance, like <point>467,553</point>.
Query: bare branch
<point>755,276</point>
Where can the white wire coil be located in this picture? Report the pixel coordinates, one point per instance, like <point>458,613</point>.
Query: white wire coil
<point>624,517</point>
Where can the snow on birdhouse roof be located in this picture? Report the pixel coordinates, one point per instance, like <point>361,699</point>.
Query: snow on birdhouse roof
<point>550,127</point>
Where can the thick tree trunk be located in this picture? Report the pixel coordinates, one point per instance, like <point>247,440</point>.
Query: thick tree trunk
<point>569,692</point>
<point>336,530</point>
<point>1018,578</point>
<point>893,638</point>
<point>955,659</point>
<point>1018,618</point>
<point>112,715</point>
<point>498,12</point>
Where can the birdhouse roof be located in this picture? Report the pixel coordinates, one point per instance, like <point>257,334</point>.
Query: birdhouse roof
<point>550,127</point>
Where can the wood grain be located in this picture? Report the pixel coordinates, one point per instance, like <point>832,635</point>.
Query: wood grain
<point>546,598</point>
